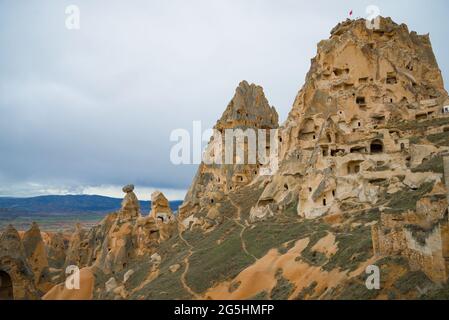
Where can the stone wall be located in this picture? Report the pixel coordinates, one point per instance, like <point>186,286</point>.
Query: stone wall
<point>426,250</point>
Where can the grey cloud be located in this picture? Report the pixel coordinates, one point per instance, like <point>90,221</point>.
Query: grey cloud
<point>96,106</point>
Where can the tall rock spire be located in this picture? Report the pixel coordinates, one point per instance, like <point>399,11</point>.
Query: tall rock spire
<point>248,109</point>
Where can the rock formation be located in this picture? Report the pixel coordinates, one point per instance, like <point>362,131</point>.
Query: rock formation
<point>350,139</point>
<point>56,250</point>
<point>130,205</point>
<point>17,278</point>
<point>163,215</point>
<point>363,179</point>
<point>343,136</point>
<point>248,109</point>
<point>36,253</point>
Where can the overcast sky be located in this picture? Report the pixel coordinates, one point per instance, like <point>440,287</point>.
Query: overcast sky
<point>89,110</point>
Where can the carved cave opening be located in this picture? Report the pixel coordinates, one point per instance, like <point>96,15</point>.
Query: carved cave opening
<point>6,288</point>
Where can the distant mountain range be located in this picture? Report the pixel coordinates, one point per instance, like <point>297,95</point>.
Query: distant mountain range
<point>67,204</point>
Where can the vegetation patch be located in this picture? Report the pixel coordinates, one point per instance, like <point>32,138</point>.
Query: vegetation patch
<point>406,199</point>
<point>440,139</point>
<point>212,262</point>
<point>354,247</point>
<point>313,257</point>
<point>434,164</point>
<point>260,296</point>
<point>419,233</point>
<point>357,290</point>
<point>307,292</point>
<point>368,216</point>
<point>274,233</point>
<point>141,271</point>
<point>283,288</point>
<point>437,293</point>
<point>167,285</point>
<point>412,282</point>
<point>246,198</point>
<point>234,286</point>
<point>291,210</point>
<point>226,208</point>
<point>414,124</point>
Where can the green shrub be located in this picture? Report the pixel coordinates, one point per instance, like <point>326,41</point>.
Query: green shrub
<point>312,257</point>
<point>411,281</point>
<point>357,290</point>
<point>406,199</point>
<point>266,235</point>
<point>283,288</point>
<point>354,247</point>
<point>212,262</point>
<point>307,292</point>
<point>434,164</point>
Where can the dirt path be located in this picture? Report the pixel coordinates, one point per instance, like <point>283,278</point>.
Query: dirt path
<point>237,221</point>
<point>186,269</point>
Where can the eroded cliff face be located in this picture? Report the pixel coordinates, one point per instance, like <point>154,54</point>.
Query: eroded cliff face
<point>17,278</point>
<point>363,180</point>
<point>367,132</point>
<point>345,133</point>
<point>248,109</point>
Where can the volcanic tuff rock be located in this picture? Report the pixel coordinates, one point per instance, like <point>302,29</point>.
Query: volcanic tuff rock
<point>36,254</point>
<point>163,215</point>
<point>56,250</point>
<point>343,132</point>
<point>14,262</point>
<point>130,204</point>
<point>363,180</point>
<point>248,109</point>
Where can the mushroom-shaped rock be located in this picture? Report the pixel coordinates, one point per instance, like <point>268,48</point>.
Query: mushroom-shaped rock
<point>130,204</point>
<point>128,188</point>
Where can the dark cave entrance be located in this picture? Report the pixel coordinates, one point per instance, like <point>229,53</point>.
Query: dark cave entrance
<point>377,146</point>
<point>6,289</point>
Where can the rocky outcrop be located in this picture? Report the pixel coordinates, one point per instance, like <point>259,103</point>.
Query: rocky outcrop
<point>15,269</point>
<point>248,109</point>
<point>56,250</point>
<point>123,236</point>
<point>36,254</point>
<point>163,215</point>
<point>130,204</point>
<point>77,251</point>
<point>160,207</point>
<point>351,142</point>
<point>343,138</point>
<point>363,148</point>
<point>422,236</point>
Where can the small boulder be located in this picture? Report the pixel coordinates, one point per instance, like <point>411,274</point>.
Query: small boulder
<point>128,275</point>
<point>130,204</point>
<point>155,258</point>
<point>174,268</point>
<point>111,284</point>
<point>128,188</point>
